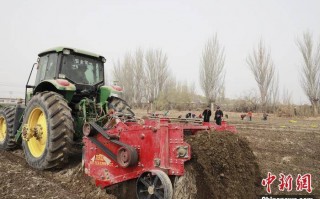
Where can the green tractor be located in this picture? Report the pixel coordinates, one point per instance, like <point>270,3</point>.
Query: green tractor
<point>68,93</point>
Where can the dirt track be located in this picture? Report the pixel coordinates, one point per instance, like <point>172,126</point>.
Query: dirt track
<point>280,145</point>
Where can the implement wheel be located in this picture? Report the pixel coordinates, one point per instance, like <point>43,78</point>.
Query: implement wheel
<point>154,185</point>
<point>47,131</point>
<point>6,128</point>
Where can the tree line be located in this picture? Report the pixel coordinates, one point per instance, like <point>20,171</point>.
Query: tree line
<point>146,78</point>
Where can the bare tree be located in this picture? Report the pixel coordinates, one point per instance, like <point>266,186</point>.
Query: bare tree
<point>221,94</point>
<point>212,69</point>
<point>169,89</point>
<point>249,101</point>
<point>286,97</point>
<point>117,71</point>
<point>142,76</point>
<point>139,76</point>
<point>156,71</point>
<point>262,67</point>
<point>123,73</point>
<point>175,94</point>
<point>287,108</point>
<point>192,91</point>
<point>274,99</point>
<point>310,76</point>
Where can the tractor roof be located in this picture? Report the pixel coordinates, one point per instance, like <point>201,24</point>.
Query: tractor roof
<point>60,49</point>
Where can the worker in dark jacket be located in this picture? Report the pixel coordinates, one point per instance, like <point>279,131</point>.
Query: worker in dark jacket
<point>206,114</point>
<point>218,116</point>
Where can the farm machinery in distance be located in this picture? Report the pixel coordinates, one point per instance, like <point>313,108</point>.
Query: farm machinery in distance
<point>69,106</point>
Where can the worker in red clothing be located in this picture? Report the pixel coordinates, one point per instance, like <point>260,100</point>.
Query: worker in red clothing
<point>250,115</point>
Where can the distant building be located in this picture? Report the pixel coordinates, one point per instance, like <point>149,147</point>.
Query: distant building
<point>10,101</point>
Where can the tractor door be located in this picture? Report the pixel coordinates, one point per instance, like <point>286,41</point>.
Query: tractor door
<point>46,69</point>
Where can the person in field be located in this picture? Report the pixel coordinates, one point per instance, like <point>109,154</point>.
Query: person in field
<point>218,116</point>
<point>265,116</point>
<point>206,114</point>
<point>250,115</point>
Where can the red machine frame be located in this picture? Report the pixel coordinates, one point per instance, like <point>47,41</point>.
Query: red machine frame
<point>159,144</point>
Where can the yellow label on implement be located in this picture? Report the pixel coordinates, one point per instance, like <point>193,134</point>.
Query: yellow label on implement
<point>100,160</point>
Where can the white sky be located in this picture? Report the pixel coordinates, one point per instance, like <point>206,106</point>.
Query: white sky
<point>179,28</point>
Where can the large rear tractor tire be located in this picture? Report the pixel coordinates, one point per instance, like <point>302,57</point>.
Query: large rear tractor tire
<point>6,128</point>
<point>47,131</point>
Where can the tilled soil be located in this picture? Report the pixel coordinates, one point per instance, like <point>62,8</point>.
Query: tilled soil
<point>287,148</point>
<point>220,163</point>
<point>222,166</point>
<point>19,180</point>
<point>223,163</point>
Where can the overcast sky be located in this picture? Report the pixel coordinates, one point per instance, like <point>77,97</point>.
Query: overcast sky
<point>179,28</point>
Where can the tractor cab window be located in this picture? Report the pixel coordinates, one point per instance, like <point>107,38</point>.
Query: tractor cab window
<point>42,68</point>
<point>82,70</point>
<point>51,66</point>
<point>47,67</point>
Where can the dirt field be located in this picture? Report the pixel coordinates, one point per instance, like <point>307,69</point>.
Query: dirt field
<point>221,162</point>
<point>281,145</point>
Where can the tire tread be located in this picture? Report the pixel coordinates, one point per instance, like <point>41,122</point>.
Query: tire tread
<point>9,113</point>
<point>60,133</point>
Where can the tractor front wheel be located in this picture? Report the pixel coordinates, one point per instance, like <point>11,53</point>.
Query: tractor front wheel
<point>47,131</point>
<point>6,128</point>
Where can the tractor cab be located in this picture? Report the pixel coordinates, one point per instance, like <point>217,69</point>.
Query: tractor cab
<point>68,70</point>
<point>68,93</point>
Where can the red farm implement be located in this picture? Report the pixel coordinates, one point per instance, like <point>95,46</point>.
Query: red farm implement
<point>150,150</point>
<point>69,104</point>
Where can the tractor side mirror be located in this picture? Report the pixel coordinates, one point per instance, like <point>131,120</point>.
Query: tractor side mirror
<point>37,63</point>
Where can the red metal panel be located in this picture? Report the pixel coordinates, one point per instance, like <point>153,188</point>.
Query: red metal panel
<point>164,144</point>
<point>157,141</point>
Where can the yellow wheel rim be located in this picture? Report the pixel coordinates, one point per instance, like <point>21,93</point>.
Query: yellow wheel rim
<point>37,119</point>
<point>3,128</point>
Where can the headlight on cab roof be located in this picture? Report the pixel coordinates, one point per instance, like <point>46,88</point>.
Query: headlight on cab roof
<point>66,51</point>
<point>62,76</point>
